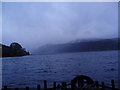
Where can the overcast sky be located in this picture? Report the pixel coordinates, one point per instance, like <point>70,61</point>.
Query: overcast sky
<point>35,24</point>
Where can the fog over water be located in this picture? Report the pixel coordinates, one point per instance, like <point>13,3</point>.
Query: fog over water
<point>34,24</point>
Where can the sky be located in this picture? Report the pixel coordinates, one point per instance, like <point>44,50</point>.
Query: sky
<point>33,24</point>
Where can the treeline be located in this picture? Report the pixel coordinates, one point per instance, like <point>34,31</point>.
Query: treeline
<point>13,50</point>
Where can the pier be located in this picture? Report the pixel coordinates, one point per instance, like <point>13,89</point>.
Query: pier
<point>69,86</point>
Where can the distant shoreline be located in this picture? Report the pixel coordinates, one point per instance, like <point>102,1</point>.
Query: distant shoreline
<point>72,52</point>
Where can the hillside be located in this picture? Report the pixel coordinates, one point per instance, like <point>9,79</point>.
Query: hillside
<point>80,46</point>
<point>13,50</point>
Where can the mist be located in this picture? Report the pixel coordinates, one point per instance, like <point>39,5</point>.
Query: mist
<point>33,24</point>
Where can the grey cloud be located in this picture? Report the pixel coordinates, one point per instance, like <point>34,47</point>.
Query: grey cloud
<point>35,24</point>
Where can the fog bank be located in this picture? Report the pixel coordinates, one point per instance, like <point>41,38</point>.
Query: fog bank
<point>36,24</point>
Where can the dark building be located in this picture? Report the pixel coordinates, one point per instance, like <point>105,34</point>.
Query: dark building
<point>13,50</point>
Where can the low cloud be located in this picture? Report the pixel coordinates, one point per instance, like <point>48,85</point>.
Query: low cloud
<point>36,24</point>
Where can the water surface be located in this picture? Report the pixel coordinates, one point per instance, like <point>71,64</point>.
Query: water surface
<point>31,70</point>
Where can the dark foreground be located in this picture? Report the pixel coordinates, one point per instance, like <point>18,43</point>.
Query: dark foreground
<point>61,89</point>
<point>80,82</point>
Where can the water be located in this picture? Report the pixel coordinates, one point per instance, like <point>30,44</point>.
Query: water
<point>31,70</point>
